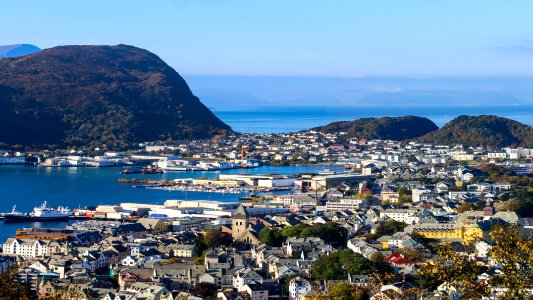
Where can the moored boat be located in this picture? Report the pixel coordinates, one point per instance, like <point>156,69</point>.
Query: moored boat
<point>39,214</point>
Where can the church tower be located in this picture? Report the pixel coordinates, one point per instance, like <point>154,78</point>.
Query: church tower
<point>240,219</point>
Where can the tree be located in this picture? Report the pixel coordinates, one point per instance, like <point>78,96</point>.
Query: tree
<point>211,239</point>
<point>467,206</point>
<point>380,266</point>
<point>73,291</point>
<point>404,194</point>
<point>389,227</point>
<point>11,288</point>
<point>346,291</point>
<point>293,231</point>
<point>215,238</point>
<point>285,281</point>
<point>205,289</point>
<point>199,248</point>
<point>338,264</point>
<point>455,269</point>
<point>411,254</point>
<point>271,237</point>
<point>330,232</point>
<point>512,251</point>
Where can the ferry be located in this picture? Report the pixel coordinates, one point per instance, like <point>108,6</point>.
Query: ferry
<point>39,214</point>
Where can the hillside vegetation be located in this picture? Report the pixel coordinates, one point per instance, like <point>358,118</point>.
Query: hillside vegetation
<point>483,130</point>
<point>388,128</point>
<point>94,95</point>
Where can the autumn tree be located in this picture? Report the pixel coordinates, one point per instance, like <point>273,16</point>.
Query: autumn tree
<point>411,253</point>
<point>346,291</point>
<point>512,253</point>
<point>215,238</point>
<point>73,291</point>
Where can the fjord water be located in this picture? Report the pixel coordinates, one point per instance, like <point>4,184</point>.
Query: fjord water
<point>284,119</point>
<point>27,187</point>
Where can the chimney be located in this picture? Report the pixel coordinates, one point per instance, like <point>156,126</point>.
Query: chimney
<point>488,211</point>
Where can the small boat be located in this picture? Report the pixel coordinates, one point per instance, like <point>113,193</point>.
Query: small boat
<point>151,170</point>
<point>130,171</point>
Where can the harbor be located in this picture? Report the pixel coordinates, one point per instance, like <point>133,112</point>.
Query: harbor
<point>90,187</point>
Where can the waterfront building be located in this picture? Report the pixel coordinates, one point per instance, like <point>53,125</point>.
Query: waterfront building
<point>32,248</point>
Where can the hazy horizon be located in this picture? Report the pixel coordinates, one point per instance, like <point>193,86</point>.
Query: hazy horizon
<point>293,38</point>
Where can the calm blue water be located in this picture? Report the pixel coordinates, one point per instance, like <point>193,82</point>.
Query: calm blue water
<point>285,119</point>
<point>28,186</point>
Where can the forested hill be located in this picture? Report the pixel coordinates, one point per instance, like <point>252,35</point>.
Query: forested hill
<point>93,95</point>
<point>483,130</point>
<point>389,128</point>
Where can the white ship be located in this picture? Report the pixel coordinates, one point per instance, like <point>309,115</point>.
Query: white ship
<point>42,213</point>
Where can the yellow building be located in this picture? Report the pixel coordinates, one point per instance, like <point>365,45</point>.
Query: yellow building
<point>444,232</point>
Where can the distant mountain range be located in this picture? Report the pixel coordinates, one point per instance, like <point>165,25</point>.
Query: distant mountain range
<point>482,130</point>
<point>94,95</point>
<point>17,50</point>
<point>292,91</point>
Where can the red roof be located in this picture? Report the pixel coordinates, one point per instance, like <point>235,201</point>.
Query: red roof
<point>396,258</point>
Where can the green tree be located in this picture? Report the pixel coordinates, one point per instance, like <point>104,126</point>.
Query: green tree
<point>205,289</point>
<point>338,264</point>
<point>271,237</point>
<point>293,231</point>
<point>379,264</point>
<point>285,281</point>
<point>330,232</point>
<point>389,227</point>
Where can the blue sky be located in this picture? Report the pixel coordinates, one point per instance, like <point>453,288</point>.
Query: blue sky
<point>344,38</point>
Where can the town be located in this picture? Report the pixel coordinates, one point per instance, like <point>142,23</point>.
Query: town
<point>376,230</point>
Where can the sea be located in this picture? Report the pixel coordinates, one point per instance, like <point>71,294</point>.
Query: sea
<point>289,119</point>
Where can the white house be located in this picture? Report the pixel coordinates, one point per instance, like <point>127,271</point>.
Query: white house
<point>298,288</point>
<point>245,276</point>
